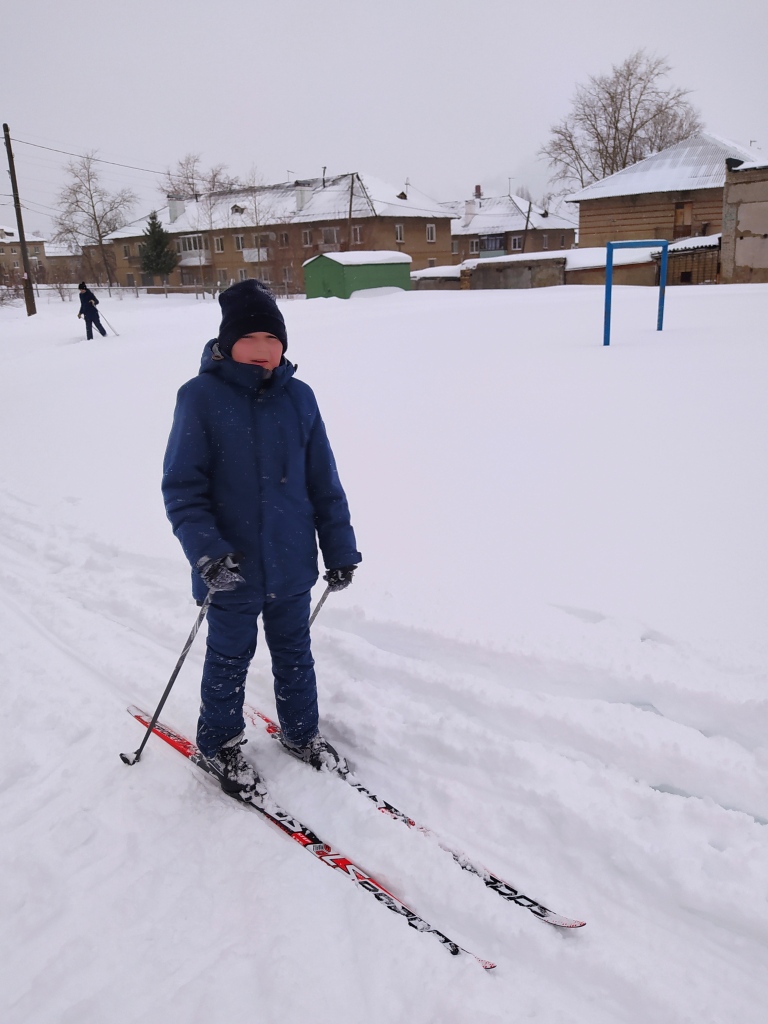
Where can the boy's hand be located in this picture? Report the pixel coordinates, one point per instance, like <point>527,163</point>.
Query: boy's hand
<point>339,579</point>
<point>220,573</point>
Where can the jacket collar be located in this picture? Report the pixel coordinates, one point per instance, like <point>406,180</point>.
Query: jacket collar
<point>242,374</point>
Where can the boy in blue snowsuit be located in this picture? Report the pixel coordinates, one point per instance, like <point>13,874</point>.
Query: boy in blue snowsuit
<point>88,304</point>
<point>250,485</point>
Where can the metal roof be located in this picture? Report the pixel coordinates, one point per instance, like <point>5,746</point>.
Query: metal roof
<point>698,162</point>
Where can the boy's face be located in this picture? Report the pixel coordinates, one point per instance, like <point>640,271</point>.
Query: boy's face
<point>258,349</point>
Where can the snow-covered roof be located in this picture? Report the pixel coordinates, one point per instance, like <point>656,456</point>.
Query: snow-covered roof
<point>698,242</point>
<point>575,259</point>
<point>448,271</point>
<point>753,165</point>
<point>307,201</point>
<point>363,258</point>
<point>698,162</point>
<point>495,215</point>
<point>12,235</point>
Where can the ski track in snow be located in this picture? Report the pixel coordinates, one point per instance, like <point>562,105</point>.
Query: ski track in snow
<point>633,797</point>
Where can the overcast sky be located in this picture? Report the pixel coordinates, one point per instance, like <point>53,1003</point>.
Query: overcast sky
<point>447,94</point>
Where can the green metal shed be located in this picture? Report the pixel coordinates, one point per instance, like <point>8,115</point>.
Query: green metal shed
<point>340,274</point>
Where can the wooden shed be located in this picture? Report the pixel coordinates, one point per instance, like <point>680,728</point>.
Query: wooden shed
<point>340,274</point>
<point>677,193</point>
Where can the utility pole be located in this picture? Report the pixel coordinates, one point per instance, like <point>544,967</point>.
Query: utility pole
<point>29,294</point>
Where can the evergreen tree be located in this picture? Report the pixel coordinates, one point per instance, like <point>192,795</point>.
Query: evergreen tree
<point>157,255</point>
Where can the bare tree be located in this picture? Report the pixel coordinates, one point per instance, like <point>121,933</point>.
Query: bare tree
<point>188,179</point>
<point>618,119</point>
<point>89,212</point>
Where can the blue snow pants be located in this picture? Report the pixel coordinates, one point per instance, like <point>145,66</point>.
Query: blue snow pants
<point>89,322</point>
<point>232,633</point>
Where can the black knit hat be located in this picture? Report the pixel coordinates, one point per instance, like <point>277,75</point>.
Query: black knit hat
<point>82,286</point>
<point>246,307</point>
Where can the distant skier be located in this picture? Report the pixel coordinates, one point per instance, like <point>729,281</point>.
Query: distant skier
<point>88,304</point>
<point>249,481</point>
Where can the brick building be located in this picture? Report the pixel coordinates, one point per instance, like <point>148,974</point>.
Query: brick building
<point>268,232</point>
<point>11,265</point>
<point>487,227</point>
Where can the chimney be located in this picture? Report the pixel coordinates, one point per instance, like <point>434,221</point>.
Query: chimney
<point>470,209</point>
<point>303,194</point>
<point>175,208</point>
<point>478,192</point>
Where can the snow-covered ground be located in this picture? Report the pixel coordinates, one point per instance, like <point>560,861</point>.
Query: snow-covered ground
<point>554,654</point>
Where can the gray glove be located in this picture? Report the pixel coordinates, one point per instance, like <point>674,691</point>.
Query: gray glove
<point>339,579</point>
<point>220,573</point>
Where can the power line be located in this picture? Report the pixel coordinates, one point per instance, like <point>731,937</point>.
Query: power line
<point>80,156</point>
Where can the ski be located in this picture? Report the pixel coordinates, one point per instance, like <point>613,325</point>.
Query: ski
<point>306,838</point>
<point>493,882</point>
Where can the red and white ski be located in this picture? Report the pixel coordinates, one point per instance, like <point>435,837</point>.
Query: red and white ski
<point>493,882</point>
<point>306,838</point>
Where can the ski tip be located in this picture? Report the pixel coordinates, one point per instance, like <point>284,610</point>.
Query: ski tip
<point>562,922</point>
<point>487,965</point>
<point>129,758</point>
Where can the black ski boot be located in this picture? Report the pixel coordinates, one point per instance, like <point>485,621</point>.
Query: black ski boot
<point>235,774</point>
<point>319,754</point>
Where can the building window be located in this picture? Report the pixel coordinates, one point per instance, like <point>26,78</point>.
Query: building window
<point>287,275</point>
<point>562,241</point>
<point>431,262</point>
<point>455,247</point>
<point>517,243</point>
<point>36,250</point>
<point>13,251</point>
<point>265,275</point>
<point>431,233</point>
<point>400,233</point>
<point>189,243</point>
<point>357,234</point>
<point>492,243</point>
<point>218,243</point>
<point>474,246</point>
<point>330,236</point>
<point>243,272</point>
<point>130,280</point>
<point>284,239</point>
<point>223,275</point>
<point>239,246</point>
<point>545,241</point>
<point>141,247</point>
<point>126,251</point>
<point>2,250</point>
<point>15,263</point>
<point>306,238</point>
<point>178,245</point>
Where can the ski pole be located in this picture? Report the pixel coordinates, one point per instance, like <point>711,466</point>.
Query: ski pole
<point>319,605</point>
<point>134,757</point>
<point>109,325</point>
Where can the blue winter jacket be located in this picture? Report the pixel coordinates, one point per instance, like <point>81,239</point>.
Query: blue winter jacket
<point>249,469</point>
<point>88,304</point>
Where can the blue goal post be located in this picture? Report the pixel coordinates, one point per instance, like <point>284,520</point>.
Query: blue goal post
<point>645,243</point>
